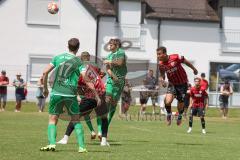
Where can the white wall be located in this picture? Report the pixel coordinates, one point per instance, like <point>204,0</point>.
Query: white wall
<point>19,39</point>
<point>231,18</point>
<point>129,12</point>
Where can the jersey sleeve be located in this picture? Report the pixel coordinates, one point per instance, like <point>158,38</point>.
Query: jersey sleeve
<point>120,54</point>
<point>191,92</point>
<point>180,59</point>
<point>53,61</point>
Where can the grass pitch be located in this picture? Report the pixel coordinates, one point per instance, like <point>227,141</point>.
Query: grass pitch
<point>22,134</point>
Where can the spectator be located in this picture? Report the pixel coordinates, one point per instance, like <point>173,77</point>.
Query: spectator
<point>19,91</point>
<point>204,82</point>
<point>151,83</point>
<point>40,97</point>
<point>4,81</point>
<point>226,90</point>
<point>126,97</point>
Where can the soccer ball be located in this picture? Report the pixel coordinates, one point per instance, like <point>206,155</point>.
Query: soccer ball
<point>53,8</point>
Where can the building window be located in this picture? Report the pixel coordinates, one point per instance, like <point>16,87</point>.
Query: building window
<point>37,63</point>
<point>230,41</point>
<point>132,33</point>
<point>37,13</point>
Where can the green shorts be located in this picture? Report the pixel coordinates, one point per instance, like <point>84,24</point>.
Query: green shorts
<point>114,89</point>
<point>60,104</point>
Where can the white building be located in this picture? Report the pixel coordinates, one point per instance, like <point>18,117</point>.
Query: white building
<point>204,31</point>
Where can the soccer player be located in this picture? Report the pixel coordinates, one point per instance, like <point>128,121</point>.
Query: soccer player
<point>198,104</point>
<point>90,92</point>
<point>116,70</point>
<point>177,77</point>
<point>64,93</point>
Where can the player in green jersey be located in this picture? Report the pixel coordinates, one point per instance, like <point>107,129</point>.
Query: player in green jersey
<point>116,70</point>
<point>64,93</point>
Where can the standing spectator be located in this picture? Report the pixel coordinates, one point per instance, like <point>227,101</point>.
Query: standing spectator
<point>126,97</point>
<point>4,81</point>
<point>204,82</point>
<point>40,97</point>
<point>151,83</point>
<point>19,91</point>
<point>226,90</point>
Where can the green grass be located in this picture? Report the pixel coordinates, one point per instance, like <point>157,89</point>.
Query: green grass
<point>22,134</point>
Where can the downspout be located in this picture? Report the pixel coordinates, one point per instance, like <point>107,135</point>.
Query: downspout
<point>96,45</point>
<point>158,45</point>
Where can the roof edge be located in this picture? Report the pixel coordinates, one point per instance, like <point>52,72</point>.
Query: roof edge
<point>90,9</point>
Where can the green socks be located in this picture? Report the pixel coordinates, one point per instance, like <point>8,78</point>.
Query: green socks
<point>79,134</point>
<point>99,124</point>
<point>52,133</point>
<point>89,123</point>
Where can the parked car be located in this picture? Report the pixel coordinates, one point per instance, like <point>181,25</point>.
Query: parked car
<point>231,73</point>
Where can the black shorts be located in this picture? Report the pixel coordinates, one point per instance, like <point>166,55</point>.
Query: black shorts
<point>178,90</point>
<point>89,106</point>
<point>143,101</point>
<point>197,111</point>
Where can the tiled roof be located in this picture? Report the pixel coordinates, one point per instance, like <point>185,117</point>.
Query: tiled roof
<point>195,10</point>
<point>182,9</point>
<point>101,7</point>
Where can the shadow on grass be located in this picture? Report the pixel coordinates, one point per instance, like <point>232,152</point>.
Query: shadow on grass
<point>188,144</point>
<point>98,144</point>
<point>139,141</point>
<point>97,151</point>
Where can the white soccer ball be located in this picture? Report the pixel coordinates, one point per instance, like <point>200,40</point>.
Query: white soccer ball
<point>53,8</point>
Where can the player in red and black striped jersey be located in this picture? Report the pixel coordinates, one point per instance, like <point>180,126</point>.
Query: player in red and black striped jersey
<point>177,77</point>
<point>198,104</point>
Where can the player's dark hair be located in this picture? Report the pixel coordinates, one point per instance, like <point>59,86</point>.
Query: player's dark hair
<point>116,41</point>
<point>73,44</point>
<point>197,78</point>
<point>203,75</point>
<point>163,49</point>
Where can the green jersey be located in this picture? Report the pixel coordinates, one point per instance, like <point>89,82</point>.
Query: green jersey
<point>119,71</point>
<point>66,74</point>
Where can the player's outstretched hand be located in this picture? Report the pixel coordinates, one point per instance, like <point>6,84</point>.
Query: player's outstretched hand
<point>195,71</point>
<point>107,62</point>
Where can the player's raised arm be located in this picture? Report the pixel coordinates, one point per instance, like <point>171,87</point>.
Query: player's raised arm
<point>46,71</point>
<point>195,71</point>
